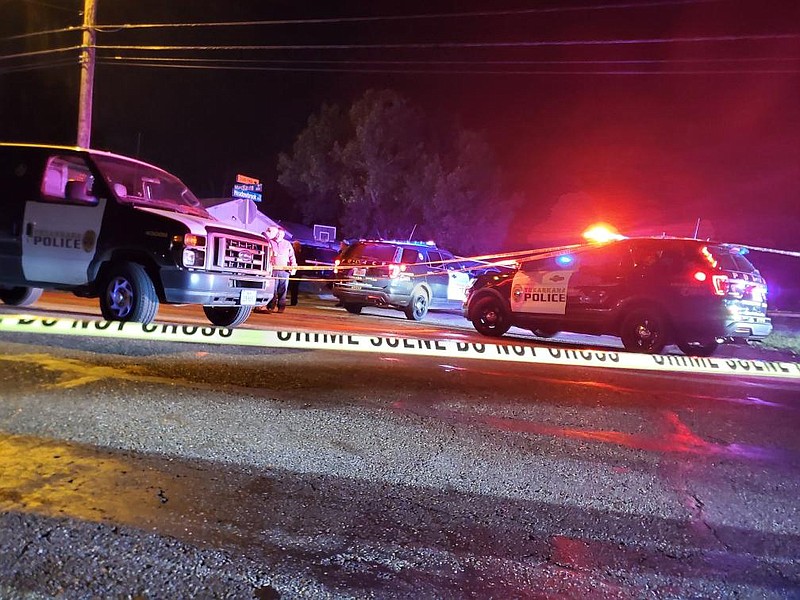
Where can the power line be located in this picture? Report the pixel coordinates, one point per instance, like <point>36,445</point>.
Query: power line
<point>439,45</point>
<point>113,28</point>
<point>291,61</point>
<point>38,66</point>
<point>487,13</point>
<point>145,63</point>
<point>39,52</point>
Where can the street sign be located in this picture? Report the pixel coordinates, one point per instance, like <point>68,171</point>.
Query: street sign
<point>245,179</point>
<point>248,195</point>
<point>248,187</point>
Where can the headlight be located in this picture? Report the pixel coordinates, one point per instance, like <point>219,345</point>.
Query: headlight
<point>192,257</point>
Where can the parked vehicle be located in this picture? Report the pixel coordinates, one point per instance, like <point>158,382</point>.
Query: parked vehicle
<point>129,233</point>
<point>648,291</point>
<point>408,276</point>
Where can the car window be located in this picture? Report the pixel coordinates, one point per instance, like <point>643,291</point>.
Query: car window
<point>383,253</point>
<point>411,256</point>
<point>435,259</point>
<point>732,261</point>
<point>657,258</point>
<point>68,179</point>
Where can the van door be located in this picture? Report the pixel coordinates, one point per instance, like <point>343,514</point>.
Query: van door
<point>60,228</point>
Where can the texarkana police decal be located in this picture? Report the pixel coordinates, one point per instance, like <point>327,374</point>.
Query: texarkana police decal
<point>540,292</point>
<point>56,239</point>
<point>89,238</point>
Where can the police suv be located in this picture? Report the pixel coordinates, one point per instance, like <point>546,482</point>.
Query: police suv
<point>650,292</point>
<point>103,225</point>
<point>404,275</point>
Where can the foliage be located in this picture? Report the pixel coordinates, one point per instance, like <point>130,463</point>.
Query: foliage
<point>383,169</point>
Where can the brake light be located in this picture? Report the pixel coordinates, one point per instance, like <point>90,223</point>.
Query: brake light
<point>720,284</point>
<point>395,270</point>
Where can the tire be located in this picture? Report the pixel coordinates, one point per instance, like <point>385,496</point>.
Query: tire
<point>20,296</point>
<point>418,307</point>
<point>701,349</point>
<point>354,309</point>
<point>489,317</point>
<point>227,316</point>
<point>644,330</point>
<point>128,294</point>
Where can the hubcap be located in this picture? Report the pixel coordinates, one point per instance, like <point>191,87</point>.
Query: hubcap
<point>120,297</point>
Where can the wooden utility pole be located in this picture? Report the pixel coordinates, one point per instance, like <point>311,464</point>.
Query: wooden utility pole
<point>87,74</point>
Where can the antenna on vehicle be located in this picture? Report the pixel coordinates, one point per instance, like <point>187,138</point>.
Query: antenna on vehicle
<point>411,235</point>
<point>697,228</point>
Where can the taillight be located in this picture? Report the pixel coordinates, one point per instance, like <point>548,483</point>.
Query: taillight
<point>395,270</point>
<point>719,282</point>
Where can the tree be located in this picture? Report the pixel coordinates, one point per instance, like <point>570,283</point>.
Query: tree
<point>383,169</point>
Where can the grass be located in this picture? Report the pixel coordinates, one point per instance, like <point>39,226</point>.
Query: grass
<point>783,340</point>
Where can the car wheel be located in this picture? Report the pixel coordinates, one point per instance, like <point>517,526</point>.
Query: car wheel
<point>418,307</point>
<point>227,316</point>
<point>20,296</point>
<point>489,317</point>
<point>354,309</point>
<point>128,294</point>
<point>644,330</point>
<point>701,349</point>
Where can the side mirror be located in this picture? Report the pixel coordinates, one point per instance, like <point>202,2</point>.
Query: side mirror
<point>77,192</point>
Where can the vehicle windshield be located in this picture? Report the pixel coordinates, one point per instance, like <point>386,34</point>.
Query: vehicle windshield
<point>136,183</point>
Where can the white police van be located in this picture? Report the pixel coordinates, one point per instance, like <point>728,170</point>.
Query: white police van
<point>129,233</point>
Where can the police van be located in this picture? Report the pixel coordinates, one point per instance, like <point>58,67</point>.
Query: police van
<point>650,292</point>
<point>131,234</point>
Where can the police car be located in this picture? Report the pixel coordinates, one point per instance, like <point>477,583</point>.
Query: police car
<point>405,275</point>
<point>108,226</point>
<point>650,292</point>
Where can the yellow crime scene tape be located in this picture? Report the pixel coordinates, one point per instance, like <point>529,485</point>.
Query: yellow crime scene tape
<point>386,345</point>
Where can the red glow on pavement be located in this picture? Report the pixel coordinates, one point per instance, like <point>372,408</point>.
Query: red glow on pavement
<point>679,441</point>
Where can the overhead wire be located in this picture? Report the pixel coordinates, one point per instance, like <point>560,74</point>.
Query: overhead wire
<point>423,16</point>
<point>112,28</point>
<point>144,62</point>
<point>38,66</point>
<point>439,45</point>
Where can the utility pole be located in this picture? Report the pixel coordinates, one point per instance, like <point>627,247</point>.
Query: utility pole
<point>87,74</point>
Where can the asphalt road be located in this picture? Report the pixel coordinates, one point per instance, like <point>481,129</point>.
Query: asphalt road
<point>145,469</point>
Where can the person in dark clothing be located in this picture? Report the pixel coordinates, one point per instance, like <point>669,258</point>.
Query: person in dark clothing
<point>294,281</point>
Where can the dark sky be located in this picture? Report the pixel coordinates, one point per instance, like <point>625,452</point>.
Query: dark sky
<point>698,119</point>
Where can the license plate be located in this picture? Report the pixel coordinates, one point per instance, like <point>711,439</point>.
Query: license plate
<point>359,272</point>
<point>247,298</point>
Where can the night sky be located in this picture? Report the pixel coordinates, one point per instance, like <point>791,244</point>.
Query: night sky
<point>700,118</point>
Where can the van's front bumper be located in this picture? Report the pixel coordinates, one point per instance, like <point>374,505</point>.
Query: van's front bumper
<point>215,289</point>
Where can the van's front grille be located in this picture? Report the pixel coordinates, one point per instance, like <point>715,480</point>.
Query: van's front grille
<point>238,255</point>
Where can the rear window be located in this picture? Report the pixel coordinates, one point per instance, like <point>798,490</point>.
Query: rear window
<point>730,260</point>
<point>370,252</point>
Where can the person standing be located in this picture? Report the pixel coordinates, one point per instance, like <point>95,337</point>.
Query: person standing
<point>294,282</point>
<point>284,264</point>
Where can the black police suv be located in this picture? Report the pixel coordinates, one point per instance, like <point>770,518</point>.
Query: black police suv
<point>650,292</point>
<point>408,276</point>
